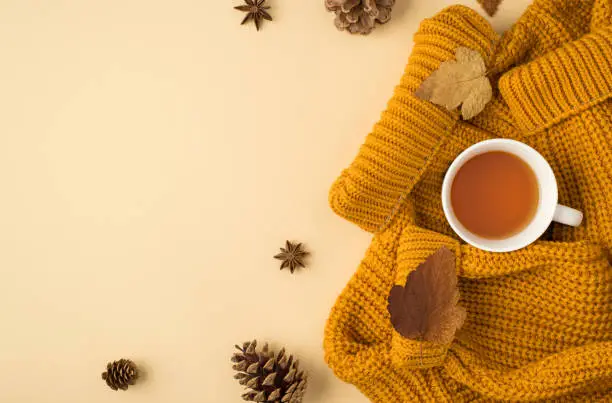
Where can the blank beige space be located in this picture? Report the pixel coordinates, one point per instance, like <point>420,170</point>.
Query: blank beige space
<point>153,157</point>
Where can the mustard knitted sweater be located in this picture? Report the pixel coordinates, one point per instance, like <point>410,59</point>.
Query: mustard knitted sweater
<point>539,320</point>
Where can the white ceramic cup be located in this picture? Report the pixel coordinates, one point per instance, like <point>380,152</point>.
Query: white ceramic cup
<point>547,211</point>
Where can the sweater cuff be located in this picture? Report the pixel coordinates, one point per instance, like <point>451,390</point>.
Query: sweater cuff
<point>561,83</point>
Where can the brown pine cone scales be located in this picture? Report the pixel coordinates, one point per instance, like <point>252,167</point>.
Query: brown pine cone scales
<point>269,378</point>
<point>360,16</point>
<point>490,6</point>
<point>120,374</point>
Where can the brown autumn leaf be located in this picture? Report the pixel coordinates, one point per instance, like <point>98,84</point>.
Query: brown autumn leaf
<point>426,307</point>
<point>459,82</point>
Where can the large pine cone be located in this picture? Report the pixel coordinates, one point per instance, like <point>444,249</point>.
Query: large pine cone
<point>120,374</point>
<point>270,378</point>
<point>360,16</point>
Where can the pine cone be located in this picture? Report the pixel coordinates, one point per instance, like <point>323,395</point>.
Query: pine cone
<point>269,378</point>
<point>360,16</point>
<point>120,374</point>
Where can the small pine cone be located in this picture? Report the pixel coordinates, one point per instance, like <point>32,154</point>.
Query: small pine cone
<point>360,16</point>
<point>268,377</point>
<point>120,374</point>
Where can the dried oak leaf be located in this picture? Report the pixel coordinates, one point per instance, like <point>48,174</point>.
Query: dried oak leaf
<point>426,307</point>
<point>459,82</point>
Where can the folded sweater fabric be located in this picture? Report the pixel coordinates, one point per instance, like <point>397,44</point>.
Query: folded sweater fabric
<point>539,320</point>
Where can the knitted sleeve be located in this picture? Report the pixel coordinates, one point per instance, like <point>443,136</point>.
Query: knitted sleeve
<point>409,131</point>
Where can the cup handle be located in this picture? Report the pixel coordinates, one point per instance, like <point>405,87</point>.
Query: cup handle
<point>567,215</point>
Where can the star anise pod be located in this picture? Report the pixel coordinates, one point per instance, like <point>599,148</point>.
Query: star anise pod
<point>292,256</point>
<point>256,11</point>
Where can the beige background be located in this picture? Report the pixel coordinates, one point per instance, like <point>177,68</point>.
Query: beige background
<point>153,157</point>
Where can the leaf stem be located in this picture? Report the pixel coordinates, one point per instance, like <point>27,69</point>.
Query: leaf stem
<point>421,353</point>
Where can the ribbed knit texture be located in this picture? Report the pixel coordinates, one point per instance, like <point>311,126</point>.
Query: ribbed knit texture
<point>539,323</point>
